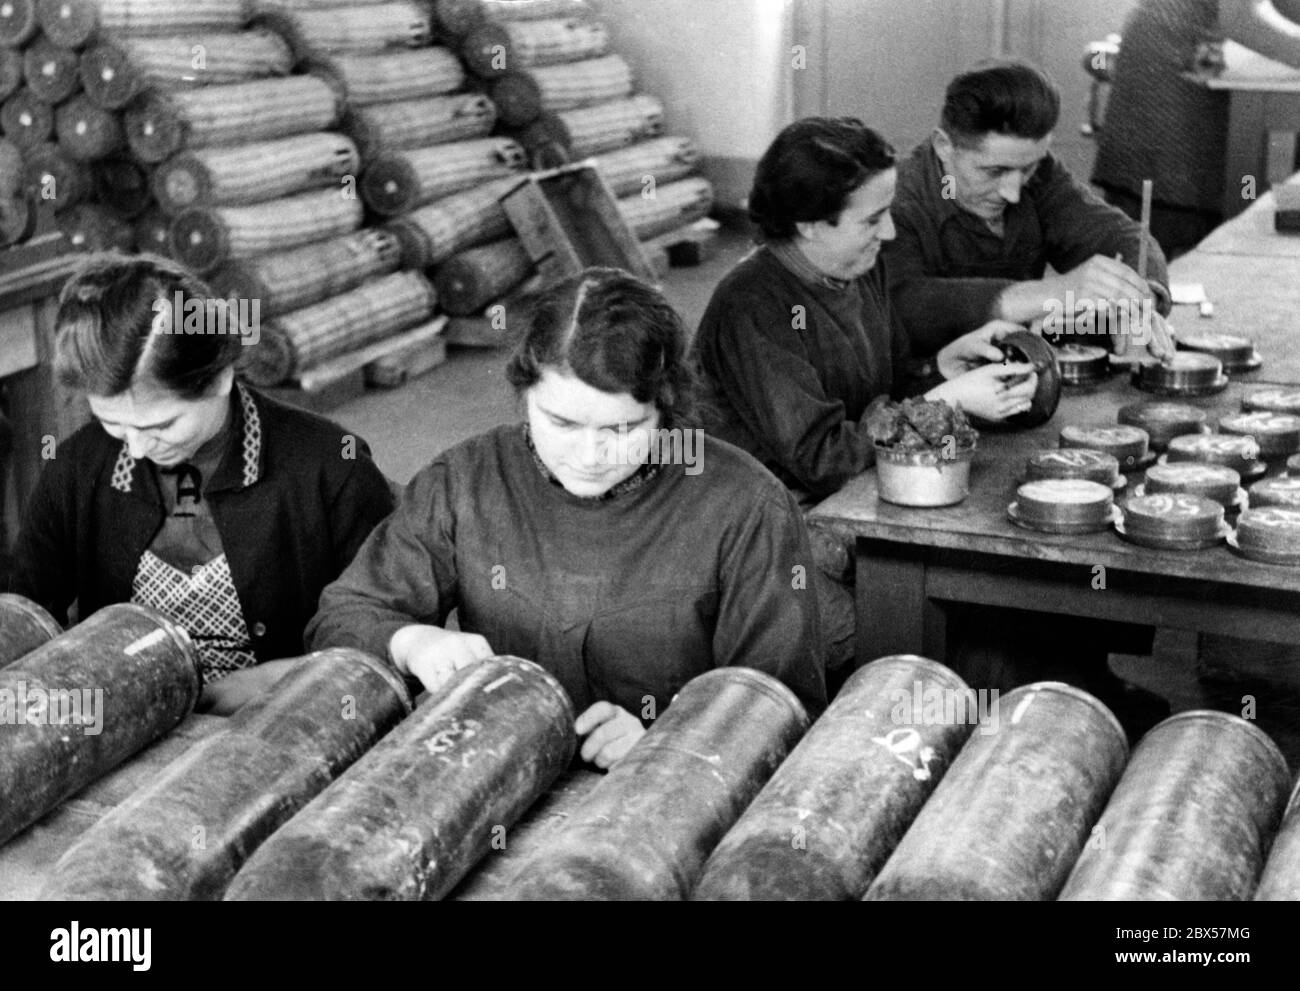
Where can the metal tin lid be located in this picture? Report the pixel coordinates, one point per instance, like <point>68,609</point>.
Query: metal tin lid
<point>1073,462</point>
<point>1261,422</point>
<point>1184,372</point>
<point>1277,526</point>
<point>1286,400</point>
<point>1171,515</point>
<point>1281,491</point>
<point>1141,414</point>
<point>1233,450</point>
<point>1225,347</point>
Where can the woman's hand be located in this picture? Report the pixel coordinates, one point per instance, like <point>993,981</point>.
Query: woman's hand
<point>610,731</point>
<point>993,392</point>
<point>976,349</point>
<point>433,654</point>
<point>222,698</point>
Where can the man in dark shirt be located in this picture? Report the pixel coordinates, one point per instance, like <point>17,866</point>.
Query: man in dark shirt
<point>983,207</point>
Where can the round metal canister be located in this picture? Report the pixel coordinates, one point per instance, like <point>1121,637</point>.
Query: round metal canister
<point>24,626</point>
<point>1270,534</point>
<point>1281,491</point>
<point>1091,466</point>
<point>1285,399</point>
<point>835,810</point>
<point>1190,819</point>
<point>1216,482</point>
<point>1241,454</point>
<point>1011,815</point>
<point>1280,881</point>
<point>185,833</point>
<point>646,831</point>
<point>1129,445</point>
<point>1171,521</point>
<point>1082,364</point>
<point>1236,354</point>
<point>411,818</point>
<point>78,706</point>
<point>1063,505</point>
<point>1164,421</point>
<point>1184,374</point>
<point>1277,434</point>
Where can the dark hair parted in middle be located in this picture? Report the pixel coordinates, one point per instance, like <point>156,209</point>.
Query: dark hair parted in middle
<point>1004,97</point>
<point>107,336</point>
<point>616,334</point>
<point>811,169</point>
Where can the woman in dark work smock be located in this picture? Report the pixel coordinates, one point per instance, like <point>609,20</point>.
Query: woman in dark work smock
<point>601,537</point>
<point>190,493</point>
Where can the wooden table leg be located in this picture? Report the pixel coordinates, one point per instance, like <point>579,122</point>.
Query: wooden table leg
<point>1245,151</point>
<point>894,614</point>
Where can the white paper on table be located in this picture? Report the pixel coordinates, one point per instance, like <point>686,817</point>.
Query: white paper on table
<point>1187,293</point>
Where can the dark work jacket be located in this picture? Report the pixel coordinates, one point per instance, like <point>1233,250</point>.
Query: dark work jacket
<point>947,269</point>
<point>293,499</point>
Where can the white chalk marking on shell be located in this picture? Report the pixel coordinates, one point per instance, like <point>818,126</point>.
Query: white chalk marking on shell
<point>1020,709</point>
<point>145,642</point>
<point>499,682</point>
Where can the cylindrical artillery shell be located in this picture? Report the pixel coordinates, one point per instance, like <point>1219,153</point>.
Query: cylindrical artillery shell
<point>161,124</point>
<point>371,28</point>
<point>122,185</point>
<point>1081,364</point>
<point>116,71</point>
<point>646,831</point>
<point>521,95</point>
<point>1091,466</point>
<point>72,23</point>
<point>186,833</point>
<point>647,165</point>
<point>294,342</point>
<point>207,237</point>
<point>469,281</point>
<point>1241,454</point>
<point>1063,505</point>
<point>835,810</point>
<point>1236,354</point>
<point>1127,444</point>
<point>1280,881</point>
<point>1281,491</point>
<point>435,232</point>
<point>413,816</point>
<point>493,49</point>
<point>1164,421</point>
<point>24,626</point>
<point>1283,400</point>
<point>1013,812</point>
<point>1216,482</point>
<point>674,205</point>
<point>1191,817</point>
<point>50,71</point>
<point>18,22</point>
<point>386,127</point>
<point>1186,373</point>
<point>85,131</point>
<point>400,181</point>
<point>91,227</point>
<point>1277,434</point>
<point>54,178</point>
<point>253,173</point>
<point>1270,534</point>
<point>25,120</point>
<point>78,706</point>
<point>290,280</point>
<point>393,76</point>
<point>1173,521</point>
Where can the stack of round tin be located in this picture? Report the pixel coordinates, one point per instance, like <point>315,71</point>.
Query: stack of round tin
<point>1241,454</point>
<point>1082,364</point>
<point>1235,354</point>
<point>1091,466</point>
<point>1281,491</point>
<point>1164,421</point>
<point>1277,400</point>
<point>1128,445</point>
<point>1172,522</point>
<point>1277,434</point>
<point>1270,534</point>
<point>1184,374</point>
<point>1213,482</point>
<point>1063,505</point>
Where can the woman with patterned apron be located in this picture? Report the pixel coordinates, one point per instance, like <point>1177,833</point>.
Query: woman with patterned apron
<point>191,492</point>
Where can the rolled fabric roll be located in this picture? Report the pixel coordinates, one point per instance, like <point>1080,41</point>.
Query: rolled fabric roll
<point>50,71</point>
<point>87,132</point>
<point>492,49</point>
<point>153,232</point>
<point>592,130</point>
<point>1012,814</point>
<point>413,816</point>
<point>437,231</point>
<point>11,71</point>
<point>11,168</point>
<point>1190,819</point>
<point>74,23</point>
<point>76,707</point>
<point>91,227</point>
<point>458,17</point>
<point>470,280</point>
<point>647,165</point>
<point>839,804</point>
<point>399,181</point>
<point>18,23</point>
<point>25,120</point>
<point>522,94</point>
<point>673,205</point>
<point>361,29</point>
<point>387,127</point>
<point>24,626</point>
<point>51,176</point>
<point>392,76</point>
<point>186,833</point>
<point>646,831</point>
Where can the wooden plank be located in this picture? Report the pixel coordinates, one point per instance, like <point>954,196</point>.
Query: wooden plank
<point>407,363</point>
<point>894,616</point>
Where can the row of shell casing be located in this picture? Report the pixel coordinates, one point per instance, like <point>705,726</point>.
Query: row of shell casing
<point>911,785</point>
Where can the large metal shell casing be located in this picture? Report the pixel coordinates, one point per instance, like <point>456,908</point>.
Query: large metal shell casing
<point>24,626</point>
<point>647,829</point>
<point>421,809</point>
<point>1013,812</point>
<point>1191,818</point>
<point>1280,881</point>
<point>74,709</point>
<point>837,807</point>
<point>186,833</point>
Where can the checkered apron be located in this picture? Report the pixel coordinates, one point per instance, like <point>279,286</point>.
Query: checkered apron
<point>205,603</point>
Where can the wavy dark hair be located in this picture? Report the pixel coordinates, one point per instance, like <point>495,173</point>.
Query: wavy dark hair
<point>105,339</point>
<point>1003,97</point>
<point>616,334</point>
<point>811,169</point>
